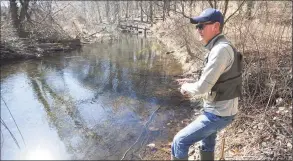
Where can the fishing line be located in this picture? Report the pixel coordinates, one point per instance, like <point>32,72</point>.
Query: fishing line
<point>2,142</point>
<point>145,127</point>
<point>14,121</point>
<point>16,142</point>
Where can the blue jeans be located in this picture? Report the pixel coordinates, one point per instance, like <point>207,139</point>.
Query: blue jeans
<point>203,129</point>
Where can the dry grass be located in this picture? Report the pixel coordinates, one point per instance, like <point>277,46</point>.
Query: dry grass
<point>263,129</point>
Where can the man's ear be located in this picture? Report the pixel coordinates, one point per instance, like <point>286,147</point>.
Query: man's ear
<point>217,26</point>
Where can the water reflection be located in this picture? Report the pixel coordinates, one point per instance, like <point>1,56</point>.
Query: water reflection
<point>89,104</point>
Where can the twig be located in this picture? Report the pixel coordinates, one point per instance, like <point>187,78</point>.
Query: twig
<point>285,129</point>
<point>53,13</point>
<point>14,120</point>
<point>140,156</point>
<point>145,126</point>
<point>269,99</point>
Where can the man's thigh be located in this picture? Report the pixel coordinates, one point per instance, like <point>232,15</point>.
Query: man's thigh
<point>202,127</point>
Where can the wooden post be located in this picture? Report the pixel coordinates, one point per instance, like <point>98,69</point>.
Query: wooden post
<point>145,31</point>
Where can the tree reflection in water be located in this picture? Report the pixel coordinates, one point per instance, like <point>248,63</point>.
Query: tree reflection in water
<point>98,99</point>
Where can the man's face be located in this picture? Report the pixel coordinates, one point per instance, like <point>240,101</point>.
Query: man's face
<point>206,30</point>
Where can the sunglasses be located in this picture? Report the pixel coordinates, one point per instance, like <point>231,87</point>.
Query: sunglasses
<point>202,25</point>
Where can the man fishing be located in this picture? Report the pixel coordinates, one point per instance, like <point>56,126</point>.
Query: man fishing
<point>219,84</point>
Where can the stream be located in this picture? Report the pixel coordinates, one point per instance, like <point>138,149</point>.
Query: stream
<point>88,104</point>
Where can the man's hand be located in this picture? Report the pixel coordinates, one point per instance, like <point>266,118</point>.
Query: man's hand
<point>183,90</point>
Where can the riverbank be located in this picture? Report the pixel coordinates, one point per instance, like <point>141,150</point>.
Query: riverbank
<point>23,49</point>
<point>257,133</point>
<point>14,48</point>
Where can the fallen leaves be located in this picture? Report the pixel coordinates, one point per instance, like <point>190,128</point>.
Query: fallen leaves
<point>268,138</point>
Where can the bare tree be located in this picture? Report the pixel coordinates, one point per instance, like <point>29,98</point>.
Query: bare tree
<point>117,10</point>
<point>175,5</point>
<point>225,8</point>
<point>141,11</point>
<point>182,7</point>
<point>151,12</point>
<point>107,10</point>
<point>250,6</point>
<point>210,3</point>
<point>164,10</point>
<point>127,6</point>
<point>168,7</point>
<point>239,7</point>
<point>99,12</point>
<point>18,20</point>
<point>190,7</point>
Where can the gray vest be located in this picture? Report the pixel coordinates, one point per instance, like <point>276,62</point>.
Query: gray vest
<point>229,85</point>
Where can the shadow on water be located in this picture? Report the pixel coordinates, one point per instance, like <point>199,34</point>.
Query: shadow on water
<point>93,103</point>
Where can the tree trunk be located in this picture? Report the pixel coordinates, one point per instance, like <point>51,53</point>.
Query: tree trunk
<point>107,10</point>
<point>226,8</point>
<point>141,12</point>
<point>137,8</point>
<point>182,6</point>
<point>250,6</point>
<point>14,14</point>
<point>164,10</point>
<point>18,20</point>
<point>99,12</point>
<point>175,5</point>
<point>215,3</point>
<point>267,12</point>
<point>151,12</point>
<point>118,11</point>
<point>168,7</point>
<point>211,4</point>
<point>190,8</point>
<point>126,14</point>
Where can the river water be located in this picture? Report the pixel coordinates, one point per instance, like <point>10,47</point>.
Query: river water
<point>88,104</point>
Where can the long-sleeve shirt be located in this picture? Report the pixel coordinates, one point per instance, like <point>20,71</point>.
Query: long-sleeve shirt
<point>220,60</point>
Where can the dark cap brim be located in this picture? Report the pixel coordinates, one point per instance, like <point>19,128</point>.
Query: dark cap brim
<point>196,20</point>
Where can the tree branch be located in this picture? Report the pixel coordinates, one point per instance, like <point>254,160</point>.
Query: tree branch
<point>234,12</point>
<point>184,15</point>
<point>215,3</point>
<point>211,4</point>
<point>226,7</point>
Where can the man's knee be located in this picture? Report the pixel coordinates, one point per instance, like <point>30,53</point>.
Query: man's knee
<point>177,138</point>
<point>180,139</point>
<point>179,146</point>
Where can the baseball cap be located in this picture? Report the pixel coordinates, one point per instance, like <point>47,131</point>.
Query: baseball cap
<point>209,14</point>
